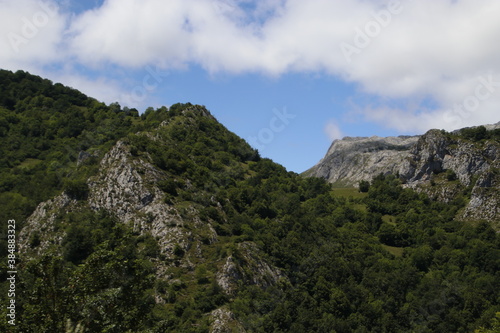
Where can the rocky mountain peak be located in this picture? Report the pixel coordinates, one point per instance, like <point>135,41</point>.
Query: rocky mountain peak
<point>467,155</point>
<point>359,158</point>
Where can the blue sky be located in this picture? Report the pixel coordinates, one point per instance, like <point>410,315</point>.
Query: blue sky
<point>289,76</point>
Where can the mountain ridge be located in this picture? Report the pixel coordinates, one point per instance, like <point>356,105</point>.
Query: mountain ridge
<point>467,153</point>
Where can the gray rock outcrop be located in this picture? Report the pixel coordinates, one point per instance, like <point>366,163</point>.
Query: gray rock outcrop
<point>249,268</point>
<point>419,161</point>
<point>353,159</point>
<point>224,321</point>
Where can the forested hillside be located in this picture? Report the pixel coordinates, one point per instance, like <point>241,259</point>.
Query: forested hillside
<point>168,222</point>
<point>43,128</point>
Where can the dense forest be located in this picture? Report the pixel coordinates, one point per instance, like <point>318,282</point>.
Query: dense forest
<point>386,259</point>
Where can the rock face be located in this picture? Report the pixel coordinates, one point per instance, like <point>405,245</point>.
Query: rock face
<point>353,159</point>
<point>422,162</point>
<point>126,187</point>
<point>42,224</point>
<point>248,268</point>
<point>485,203</point>
<point>435,153</point>
<point>224,321</point>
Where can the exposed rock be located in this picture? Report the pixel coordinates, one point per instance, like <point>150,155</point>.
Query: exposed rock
<point>435,153</point>
<point>417,160</point>
<point>224,321</point>
<point>351,160</point>
<point>126,188</point>
<point>83,156</point>
<point>229,275</point>
<point>248,268</point>
<point>262,273</point>
<point>42,224</point>
<point>485,202</point>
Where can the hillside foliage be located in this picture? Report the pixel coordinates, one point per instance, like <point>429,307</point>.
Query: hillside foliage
<point>391,260</point>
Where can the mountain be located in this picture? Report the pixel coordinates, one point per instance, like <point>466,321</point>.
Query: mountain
<point>352,159</point>
<point>165,221</point>
<point>445,166</point>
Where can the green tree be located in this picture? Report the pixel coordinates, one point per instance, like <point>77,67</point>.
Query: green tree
<point>364,186</point>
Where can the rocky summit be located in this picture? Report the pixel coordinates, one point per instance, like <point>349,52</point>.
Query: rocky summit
<point>441,164</point>
<point>353,159</point>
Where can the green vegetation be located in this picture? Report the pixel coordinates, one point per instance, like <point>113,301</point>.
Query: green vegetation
<point>480,133</point>
<point>44,128</point>
<point>387,260</point>
<point>475,134</point>
<point>451,175</point>
<point>364,186</point>
<point>396,251</point>
<point>349,192</point>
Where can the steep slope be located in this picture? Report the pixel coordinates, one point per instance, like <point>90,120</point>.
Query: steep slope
<point>136,188</point>
<point>447,166</point>
<point>444,165</point>
<point>44,127</point>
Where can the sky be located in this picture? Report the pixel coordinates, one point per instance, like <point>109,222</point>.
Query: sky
<point>288,76</point>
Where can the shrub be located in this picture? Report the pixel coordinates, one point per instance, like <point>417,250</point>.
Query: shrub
<point>451,175</point>
<point>76,189</point>
<point>364,186</point>
<point>168,186</point>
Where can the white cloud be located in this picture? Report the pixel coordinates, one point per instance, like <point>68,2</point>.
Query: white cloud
<point>416,50</point>
<point>132,33</point>
<point>101,88</point>
<point>31,33</point>
<point>475,102</point>
<point>333,131</point>
<point>422,49</point>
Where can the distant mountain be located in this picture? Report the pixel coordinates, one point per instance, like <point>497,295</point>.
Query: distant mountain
<point>351,160</point>
<point>166,221</point>
<point>443,165</point>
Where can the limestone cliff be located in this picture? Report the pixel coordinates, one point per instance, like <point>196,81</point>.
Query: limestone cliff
<point>353,159</point>
<point>441,164</point>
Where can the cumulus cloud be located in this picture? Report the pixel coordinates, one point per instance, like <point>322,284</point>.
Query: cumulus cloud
<point>101,88</point>
<point>426,50</point>
<point>409,49</point>
<point>132,33</point>
<point>333,131</point>
<point>470,102</point>
<point>32,32</point>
